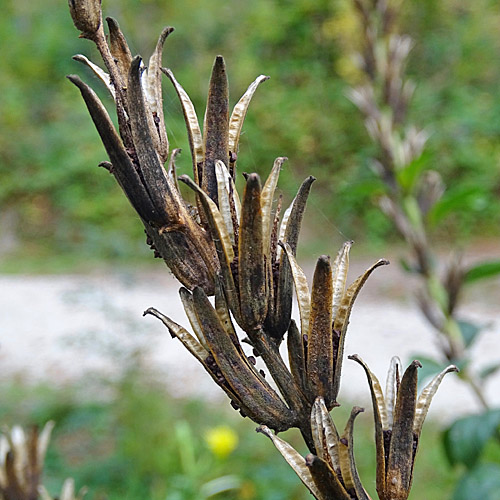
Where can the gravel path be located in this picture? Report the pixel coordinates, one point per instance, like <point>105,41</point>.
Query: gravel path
<point>62,328</point>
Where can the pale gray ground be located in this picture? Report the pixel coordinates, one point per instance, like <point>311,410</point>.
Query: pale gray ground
<point>62,328</point>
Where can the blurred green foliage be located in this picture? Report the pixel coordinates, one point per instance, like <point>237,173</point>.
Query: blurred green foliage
<point>53,198</point>
<point>138,442</point>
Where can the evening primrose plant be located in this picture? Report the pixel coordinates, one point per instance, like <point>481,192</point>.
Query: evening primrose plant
<point>235,255</point>
<point>22,457</point>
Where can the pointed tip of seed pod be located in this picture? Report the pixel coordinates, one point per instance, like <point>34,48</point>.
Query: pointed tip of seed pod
<point>112,22</point>
<point>149,310</point>
<point>263,429</point>
<point>79,83</point>
<point>75,79</point>
<point>356,410</point>
<point>416,364</point>
<point>136,63</point>
<point>106,165</point>
<point>382,262</point>
<point>311,178</point>
<point>199,293</point>
<point>253,181</point>
<point>188,181</point>
<point>323,262</point>
<point>346,246</point>
<point>354,357</point>
<point>113,25</point>
<point>166,31</point>
<point>219,60</point>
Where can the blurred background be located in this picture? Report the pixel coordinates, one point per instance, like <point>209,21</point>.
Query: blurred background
<point>60,215</point>
<point>57,206</point>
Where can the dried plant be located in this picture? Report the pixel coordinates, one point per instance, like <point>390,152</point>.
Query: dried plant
<point>412,191</point>
<point>242,251</point>
<point>412,196</point>
<point>22,458</point>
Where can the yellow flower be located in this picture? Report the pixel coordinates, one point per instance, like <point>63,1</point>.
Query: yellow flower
<point>221,440</point>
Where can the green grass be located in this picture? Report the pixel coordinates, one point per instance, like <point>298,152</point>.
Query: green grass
<point>140,443</point>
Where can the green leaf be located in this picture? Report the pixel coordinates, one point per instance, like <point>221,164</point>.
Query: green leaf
<point>481,271</point>
<point>413,211</point>
<point>408,267</point>
<point>219,485</point>
<point>408,176</point>
<point>481,482</point>
<point>469,331</point>
<point>463,199</point>
<point>465,439</point>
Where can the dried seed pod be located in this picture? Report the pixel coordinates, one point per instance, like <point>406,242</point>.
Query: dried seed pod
<point>325,435</point>
<point>398,423</point>
<point>342,319</point>
<point>347,463</point>
<point>252,269</point>
<point>222,241</point>
<point>151,82</point>
<point>201,353</point>
<point>152,171</point>
<point>193,127</point>
<point>294,459</point>
<point>216,129</point>
<point>86,15</point>
<point>264,405</point>
<point>22,460</point>
<point>99,72</point>
<point>425,398</point>
<point>182,244</point>
<point>238,117</point>
<point>326,479</point>
<point>67,492</point>
<point>297,357</point>
<point>280,307</point>
<point>335,304</point>
<point>119,50</point>
<point>320,361</point>
<point>123,168</point>
<point>399,466</point>
<point>301,289</point>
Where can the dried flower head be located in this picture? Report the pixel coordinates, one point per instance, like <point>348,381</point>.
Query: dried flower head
<point>178,232</point>
<point>22,458</point>
<point>399,417</point>
<point>242,250</point>
<point>21,461</point>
